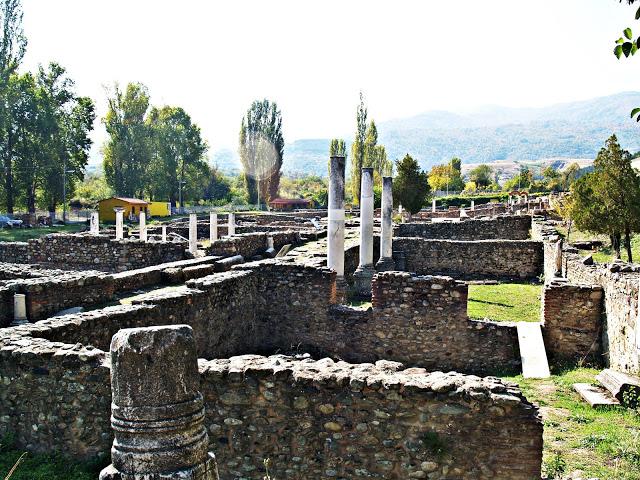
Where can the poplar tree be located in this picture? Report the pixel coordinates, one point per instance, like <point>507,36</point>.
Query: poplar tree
<point>358,149</point>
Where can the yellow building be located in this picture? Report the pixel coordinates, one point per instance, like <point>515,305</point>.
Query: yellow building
<point>160,209</point>
<point>132,208</point>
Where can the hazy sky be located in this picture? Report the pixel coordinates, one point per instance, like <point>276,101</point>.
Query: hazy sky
<point>312,57</point>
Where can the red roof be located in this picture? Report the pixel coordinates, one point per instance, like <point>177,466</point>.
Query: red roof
<point>290,201</point>
<point>132,201</point>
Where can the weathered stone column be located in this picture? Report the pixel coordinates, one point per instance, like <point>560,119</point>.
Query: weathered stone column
<point>335,241</point>
<point>213,227</point>
<point>364,273</point>
<point>558,258</point>
<point>157,412</point>
<point>95,223</point>
<point>433,206</point>
<point>231,229</point>
<point>473,205</point>
<point>193,233</point>
<point>143,226</point>
<point>19,309</point>
<point>385,262</point>
<point>119,223</point>
<point>164,233</point>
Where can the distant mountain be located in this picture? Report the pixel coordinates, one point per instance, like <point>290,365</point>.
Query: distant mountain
<point>489,134</point>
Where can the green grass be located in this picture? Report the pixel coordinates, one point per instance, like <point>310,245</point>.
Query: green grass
<point>44,467</point>
<point>602,443</point>
<point>505,302</point>
<point>604,254</point>
<point>24,234</point>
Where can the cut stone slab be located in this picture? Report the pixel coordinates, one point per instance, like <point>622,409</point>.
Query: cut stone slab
<point>595,396</point>
<point>618,383</point>
<point>284,250</point>
<point>532,352</point>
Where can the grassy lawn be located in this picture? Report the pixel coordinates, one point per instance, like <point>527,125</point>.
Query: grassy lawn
<point>603,443</point>
<point>24,234</point>
<point>604,254</point>
<point>43,467</point>
<point>505,302</point>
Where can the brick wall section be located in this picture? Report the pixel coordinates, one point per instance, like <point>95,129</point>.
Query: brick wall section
<point>620,302</point>
<point>572,320</point>
<point>503,227</point>
<point>325,420</point>
<point>14,252</point>
<point>251,244</point>
<point>503,259</point>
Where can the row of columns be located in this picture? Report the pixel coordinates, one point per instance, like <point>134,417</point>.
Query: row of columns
<point>336,216</point>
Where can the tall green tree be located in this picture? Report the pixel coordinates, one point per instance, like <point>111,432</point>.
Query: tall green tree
<point>261,150</point>
<point>337,147</point>
<point>482,175</point>
<point>411,185</point>
<point>13,44</point>
<point>177,151</point>
<point>608,199</point>
<point>127,152</point>
<point>358,149</point>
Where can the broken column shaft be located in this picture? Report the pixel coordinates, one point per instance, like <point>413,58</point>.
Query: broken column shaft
<point>213,227</point>
<point>364,272</point>
<point>157,412</point>
<point>335,248</point>
<point>386,235</point>
<point>193,233</point>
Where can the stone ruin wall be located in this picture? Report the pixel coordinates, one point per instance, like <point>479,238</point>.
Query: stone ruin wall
<point>572,321</point>
<point>511,227</point>
<point>503,259</point>
<point>620,330</point>
<point>369,421</point>
<point>14,252</point>
<point>483,209</point>
<point>251,244</point>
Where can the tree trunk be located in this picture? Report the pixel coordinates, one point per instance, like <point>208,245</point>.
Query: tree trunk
<point>8,176</point>
<point>615,244</point>
<point>31,199</point>
<point>627,244</point>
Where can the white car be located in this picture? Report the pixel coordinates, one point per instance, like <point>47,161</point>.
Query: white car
<point>9,222</point>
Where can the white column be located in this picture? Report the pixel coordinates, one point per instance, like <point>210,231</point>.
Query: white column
<point>231,229</point>
<point>193,233</point>
<point>364,272</point>
<point>473,205</point>
<point>433,205</point>
<point>164,233</point>
<point>119,223</point>
<point>143,226</point>
<point>19,309</point>
<point>213,227</point>
<point>335,242</point>
<point>386,235</point>
<point>95,223</point>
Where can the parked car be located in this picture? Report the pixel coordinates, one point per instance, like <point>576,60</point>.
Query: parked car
<point>9,222</point>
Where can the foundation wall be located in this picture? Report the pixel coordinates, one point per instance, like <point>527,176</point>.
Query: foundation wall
<point>499,228</point>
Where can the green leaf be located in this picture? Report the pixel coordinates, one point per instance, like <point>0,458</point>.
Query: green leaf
<point>638,42</point>
<point>638,14</point>
<point>618,51</point>
<point>626,48</point>
<point>620,40</point>
<point>635,112</point>
<point>628,33</point>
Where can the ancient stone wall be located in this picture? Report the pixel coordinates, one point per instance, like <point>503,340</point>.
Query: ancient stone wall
<point>486,209</point>
<point>14,252</point>
<point>504,227</point>
<point>504,259</point>
<point>572,320</point>
<point>335,420</point>
<point>251,244</point>
<point>6,306</point>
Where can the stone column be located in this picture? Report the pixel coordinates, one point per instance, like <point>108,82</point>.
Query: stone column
<point>335,241</point>
<point>119,223</point>
<point>385,262</point>
<point>157,412</point>
<point>364,272</point>
<point>95,223</point>
<point>213,227</point>
<point>164,233</point>
<point>143,226</point>
<point>473,205</point>
<point>19,309</point>
<point>558,258</point>
<point>193,233</point>
<point>433,206</point>
<point>231,229</point>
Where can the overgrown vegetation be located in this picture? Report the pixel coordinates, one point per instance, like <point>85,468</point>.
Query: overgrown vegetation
<point>505,302</point>
<point>602,443</point>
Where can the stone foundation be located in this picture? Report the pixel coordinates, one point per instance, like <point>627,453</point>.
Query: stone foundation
<point>499,228</point>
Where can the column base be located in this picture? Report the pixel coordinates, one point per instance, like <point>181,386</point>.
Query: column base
<point>362,281</point>
<point>208,470</point>
<point>385,264</point>
<point>17,322</point>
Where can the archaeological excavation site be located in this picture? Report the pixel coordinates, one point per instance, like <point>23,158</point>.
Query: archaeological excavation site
<point>302,345</point>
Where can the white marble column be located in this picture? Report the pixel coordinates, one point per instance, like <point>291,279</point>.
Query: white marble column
<point>143,226</point>
<point>119,223</point>
<point>335,242</point>
<point>164,233</point>
<point>95,223</point>
<point>19,309</point>
<point>364,272</point>
<point>386,236</point>
<point>231,229</point>
<point>213,227</point>
<point>433,205</point>
<point>473,205</point>
<point>193,233</point>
